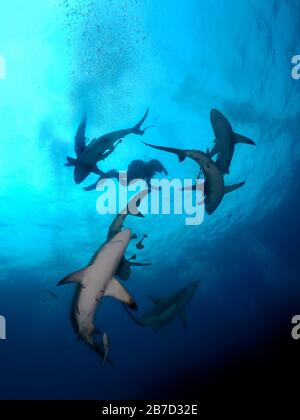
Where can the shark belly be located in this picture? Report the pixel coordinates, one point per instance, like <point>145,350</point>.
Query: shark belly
<point>95,285</point>
<point>93,153</point>
<point>95,150</point>
<point>82,169</point>
<point>84,313</point>
<point>169,314</point>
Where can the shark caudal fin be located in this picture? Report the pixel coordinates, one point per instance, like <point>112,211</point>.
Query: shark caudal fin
<point>238,138</point>
<point>71,161</point>
<point>180,153</point>
<point>137,129</point>
<point>117,291</point>
<point>98,347</point>
<point>234,187</point>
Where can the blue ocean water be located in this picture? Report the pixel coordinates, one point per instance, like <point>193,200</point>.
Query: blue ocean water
<point>112,59</point>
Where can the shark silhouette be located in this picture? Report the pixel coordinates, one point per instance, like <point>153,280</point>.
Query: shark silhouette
<point>124,269</point>
<point>94,282</point>
<point>137,169</point>
<point>214,187</point>
<point>166,309</point>
<point>87,155</point>
<point>225,140</point>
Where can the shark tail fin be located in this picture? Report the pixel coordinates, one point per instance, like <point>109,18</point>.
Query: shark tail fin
<point>71,161</point>
<point>98,347</point>
<point>137,129</point>
<point>234,187</point>
<point>238,138</point>
<point>180,153</point>
<point>117,291</point>
<point>76,277</point>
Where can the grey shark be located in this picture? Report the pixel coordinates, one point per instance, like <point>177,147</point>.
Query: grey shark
<point>214,187</point>
<point>94,282</point>
<point>80,141</point>
<point>225,140</point>
<point>164,310</point>
<point>87,155</point>
<point>137,169</point>
<point>124,269</point>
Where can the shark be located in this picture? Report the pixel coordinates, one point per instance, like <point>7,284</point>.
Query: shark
<point>214,187</point>
<point>137,169</point>
<point>94,282</point>
<point>164,310</point>
<point>124,269</point>
<point>225,140</point>
<point>89,154</point>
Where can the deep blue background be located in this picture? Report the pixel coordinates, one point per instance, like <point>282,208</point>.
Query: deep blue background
<point>112,59</point>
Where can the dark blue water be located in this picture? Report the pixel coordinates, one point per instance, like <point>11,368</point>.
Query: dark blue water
<point>112,59</point>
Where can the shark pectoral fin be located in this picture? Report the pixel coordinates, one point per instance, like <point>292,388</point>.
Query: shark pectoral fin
<point>76,277</point>
<point>71,161</point>
<point>238,138</point>
<point>230,188</point>
<point>180,153</point>
<point>183,318</point>
<point>117,291</point>
<point>97,171</point>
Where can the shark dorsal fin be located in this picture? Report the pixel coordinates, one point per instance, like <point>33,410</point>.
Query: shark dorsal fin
<point>154,300</point>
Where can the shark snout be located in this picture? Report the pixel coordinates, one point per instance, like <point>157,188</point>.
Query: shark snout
<point>215,115</point>
<point>80,173</point>
<point>123,236</point>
